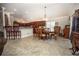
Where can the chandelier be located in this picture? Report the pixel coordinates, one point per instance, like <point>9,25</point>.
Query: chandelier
<point>45,15</point>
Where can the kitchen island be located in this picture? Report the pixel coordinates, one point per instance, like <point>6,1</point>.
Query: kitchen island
<point>26,31</point>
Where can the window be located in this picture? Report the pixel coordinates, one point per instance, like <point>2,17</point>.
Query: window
<point>50,24</point>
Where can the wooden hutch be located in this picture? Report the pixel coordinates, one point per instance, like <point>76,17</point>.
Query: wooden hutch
<point>75,32</point>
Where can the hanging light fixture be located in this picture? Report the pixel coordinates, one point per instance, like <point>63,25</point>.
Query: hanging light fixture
<point>45,16</point>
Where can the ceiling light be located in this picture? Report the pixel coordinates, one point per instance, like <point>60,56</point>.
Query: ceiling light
<point>14,10</point>
<point>45,15</point>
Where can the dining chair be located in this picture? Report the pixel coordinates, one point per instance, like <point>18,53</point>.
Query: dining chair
<point>17,32</point>
<point>55,33</point>
<point>12,32</point>
<point>8,31</point>
<point>57,30</point>
<point>41,34</point>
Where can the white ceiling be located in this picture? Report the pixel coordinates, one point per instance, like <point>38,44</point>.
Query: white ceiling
<point>37,10</point>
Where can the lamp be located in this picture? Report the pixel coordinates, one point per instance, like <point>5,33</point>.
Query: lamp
<point>45,16</point>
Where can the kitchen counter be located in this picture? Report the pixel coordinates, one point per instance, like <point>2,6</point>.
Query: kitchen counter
<point>25,32</point>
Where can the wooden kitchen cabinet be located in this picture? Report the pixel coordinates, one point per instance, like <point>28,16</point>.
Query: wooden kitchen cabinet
<point>66,31</point>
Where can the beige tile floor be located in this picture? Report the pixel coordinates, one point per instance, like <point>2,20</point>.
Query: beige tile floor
<point>33,47</point>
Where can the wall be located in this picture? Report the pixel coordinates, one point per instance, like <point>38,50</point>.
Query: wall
<point>59,12</point>
<point>64,20</point>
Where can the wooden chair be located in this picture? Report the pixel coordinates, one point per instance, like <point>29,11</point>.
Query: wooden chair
<point>40,33</point>
<point>66,31</point>
<point>57,30</point>
<point>8,31</point>
<point>36,32</point>
<point>12,32</point>
<point>17,32</point>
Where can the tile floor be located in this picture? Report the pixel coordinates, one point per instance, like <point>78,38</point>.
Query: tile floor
<point>31,46</point>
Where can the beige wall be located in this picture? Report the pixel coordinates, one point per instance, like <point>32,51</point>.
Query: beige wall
<point>58,12</point>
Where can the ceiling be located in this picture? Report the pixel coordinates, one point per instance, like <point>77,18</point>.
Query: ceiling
<point>22,9</point>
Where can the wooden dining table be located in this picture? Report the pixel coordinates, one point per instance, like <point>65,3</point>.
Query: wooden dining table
<point>49,33</point>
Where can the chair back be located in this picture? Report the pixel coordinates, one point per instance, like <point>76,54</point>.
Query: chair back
<point>15,28</point>
<point>8,28</point>
<point>39,31</point>
<point>57,29</point>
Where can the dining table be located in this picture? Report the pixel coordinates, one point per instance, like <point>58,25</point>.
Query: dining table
<point>49,33</point>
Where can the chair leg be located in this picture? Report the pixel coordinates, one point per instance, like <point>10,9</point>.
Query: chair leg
<point>74,51</point>
<point>1,50</point>
<point>55,36</point>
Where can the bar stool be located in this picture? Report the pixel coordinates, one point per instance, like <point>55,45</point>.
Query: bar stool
<point>13,32</point>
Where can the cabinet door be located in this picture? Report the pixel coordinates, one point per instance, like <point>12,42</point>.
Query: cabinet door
<point>74,24</point>
<point>1,22</point>
<point>6,20</point>
<point>77,25</point>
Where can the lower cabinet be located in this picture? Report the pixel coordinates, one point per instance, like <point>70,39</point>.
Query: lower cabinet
<point>75,42</point>
<point>2,44</point>
<point>25,32</point>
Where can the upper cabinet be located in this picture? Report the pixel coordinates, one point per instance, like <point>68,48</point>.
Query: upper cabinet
<point>1,19</point>
<point>75,21</point>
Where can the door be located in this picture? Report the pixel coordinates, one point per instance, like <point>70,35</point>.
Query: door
<point>6,20</point>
